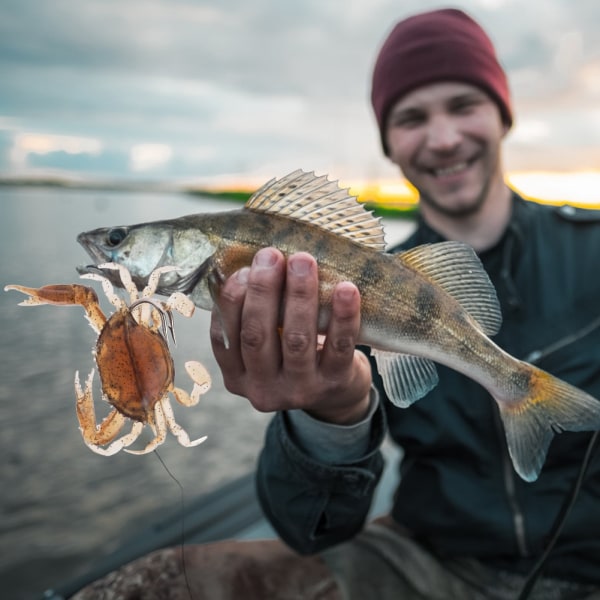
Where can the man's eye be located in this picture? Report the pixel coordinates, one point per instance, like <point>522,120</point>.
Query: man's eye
<point>406,120</point>
<point>463,106</point>
<point>466,105</point>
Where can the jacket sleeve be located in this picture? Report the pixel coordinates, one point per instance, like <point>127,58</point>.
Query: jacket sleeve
<point>313,505</point>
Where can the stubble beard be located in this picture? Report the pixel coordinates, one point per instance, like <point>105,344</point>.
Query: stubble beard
<point>459,212</point>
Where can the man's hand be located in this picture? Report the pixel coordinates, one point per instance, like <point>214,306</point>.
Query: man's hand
<point>286,369</point>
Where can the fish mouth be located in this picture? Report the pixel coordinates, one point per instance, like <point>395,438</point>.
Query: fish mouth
<point>91,269</point>
<point>97,255</point>
<point>85,269</point>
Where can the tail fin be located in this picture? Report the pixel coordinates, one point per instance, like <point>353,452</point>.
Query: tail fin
<point>551,406</point>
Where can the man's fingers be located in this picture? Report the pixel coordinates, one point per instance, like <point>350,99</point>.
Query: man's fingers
<point>343,330</point>
<point>269,313</point>
<point>225,324</point>
<point>258,331</point>
<point>299,331</point>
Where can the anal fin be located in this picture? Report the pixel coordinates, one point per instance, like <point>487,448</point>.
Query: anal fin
<point>406,378</point>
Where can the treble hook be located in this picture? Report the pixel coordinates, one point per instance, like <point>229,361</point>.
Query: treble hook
<point>166,317</point>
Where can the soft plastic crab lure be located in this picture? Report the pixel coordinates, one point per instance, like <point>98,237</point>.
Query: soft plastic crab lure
<point>133,359</point>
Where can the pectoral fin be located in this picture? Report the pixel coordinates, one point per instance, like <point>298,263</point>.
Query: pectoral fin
<point>406,378</point>
<point>214,281</point>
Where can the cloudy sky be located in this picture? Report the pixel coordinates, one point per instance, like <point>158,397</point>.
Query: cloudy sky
<point>191,90</point>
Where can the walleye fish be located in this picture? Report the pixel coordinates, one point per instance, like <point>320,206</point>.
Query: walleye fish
<point>433,303</point>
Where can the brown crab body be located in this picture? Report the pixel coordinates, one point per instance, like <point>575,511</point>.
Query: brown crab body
<point>135,366</point>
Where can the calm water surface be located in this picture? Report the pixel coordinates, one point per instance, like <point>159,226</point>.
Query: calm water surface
<point>63,507</point>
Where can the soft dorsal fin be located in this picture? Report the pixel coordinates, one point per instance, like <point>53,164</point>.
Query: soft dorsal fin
<point>305,197</point>
<point>456,268</point>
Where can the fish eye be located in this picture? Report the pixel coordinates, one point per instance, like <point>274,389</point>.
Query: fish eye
<point>115,236</point>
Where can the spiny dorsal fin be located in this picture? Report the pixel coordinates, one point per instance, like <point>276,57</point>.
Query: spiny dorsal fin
<point>456,268</point>
<point>305,197</point>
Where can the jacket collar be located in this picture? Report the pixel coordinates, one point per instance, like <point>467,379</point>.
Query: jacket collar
<point>517,226</point>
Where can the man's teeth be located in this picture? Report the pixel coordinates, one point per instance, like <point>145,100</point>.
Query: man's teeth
<point>450,170</point>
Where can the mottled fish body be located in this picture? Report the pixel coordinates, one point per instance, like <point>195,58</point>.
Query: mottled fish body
<point>433,303</point>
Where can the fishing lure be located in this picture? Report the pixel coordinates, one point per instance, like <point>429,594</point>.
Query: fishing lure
<point>134,363</point>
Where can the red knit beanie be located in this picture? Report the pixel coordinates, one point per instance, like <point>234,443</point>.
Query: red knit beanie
<point>441,45</point>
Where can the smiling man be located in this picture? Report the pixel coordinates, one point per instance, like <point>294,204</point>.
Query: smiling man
<point>445,138</point>
<point>443,108</point>
<point>462,525</point>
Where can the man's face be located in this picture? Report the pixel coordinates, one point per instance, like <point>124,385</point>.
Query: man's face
<point>446,138</point>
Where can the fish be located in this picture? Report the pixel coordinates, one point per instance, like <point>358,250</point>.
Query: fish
<point>430,304</point>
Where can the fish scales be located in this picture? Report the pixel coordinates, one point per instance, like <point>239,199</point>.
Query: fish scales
<point>431,304</point>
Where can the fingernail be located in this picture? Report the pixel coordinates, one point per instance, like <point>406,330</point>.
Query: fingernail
<point>242,275</point>
<point>299,265</point>
<point>345,291</point>
<point>265,258</point>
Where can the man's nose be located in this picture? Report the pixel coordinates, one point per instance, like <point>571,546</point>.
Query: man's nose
<point>443,133</point>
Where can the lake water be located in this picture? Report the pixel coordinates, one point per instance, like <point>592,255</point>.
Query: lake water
<point>63,507</point>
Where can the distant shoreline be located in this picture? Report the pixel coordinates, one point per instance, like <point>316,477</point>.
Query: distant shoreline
<point>401,209</point>
<point>57,182</point>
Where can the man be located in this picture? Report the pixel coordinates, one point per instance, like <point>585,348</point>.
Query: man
<point>463,525</point>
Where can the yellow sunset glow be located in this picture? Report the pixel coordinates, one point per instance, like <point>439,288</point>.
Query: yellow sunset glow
<point>580,188</point>
<point>389,193</point>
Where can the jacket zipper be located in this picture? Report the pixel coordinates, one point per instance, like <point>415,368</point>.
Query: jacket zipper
<point>508,475</point>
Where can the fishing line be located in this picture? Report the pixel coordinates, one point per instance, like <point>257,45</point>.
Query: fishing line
<point>182,501</point>
<point>560,520</point>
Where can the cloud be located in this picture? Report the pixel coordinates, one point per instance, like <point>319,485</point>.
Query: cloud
<point>531,131</point>
<point>26,144</point>
<point>147,157</point>
<point>241,86</point>
<point>42,144</point>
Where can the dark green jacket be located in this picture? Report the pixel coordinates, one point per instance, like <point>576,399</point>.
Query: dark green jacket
<point>458,492</point>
